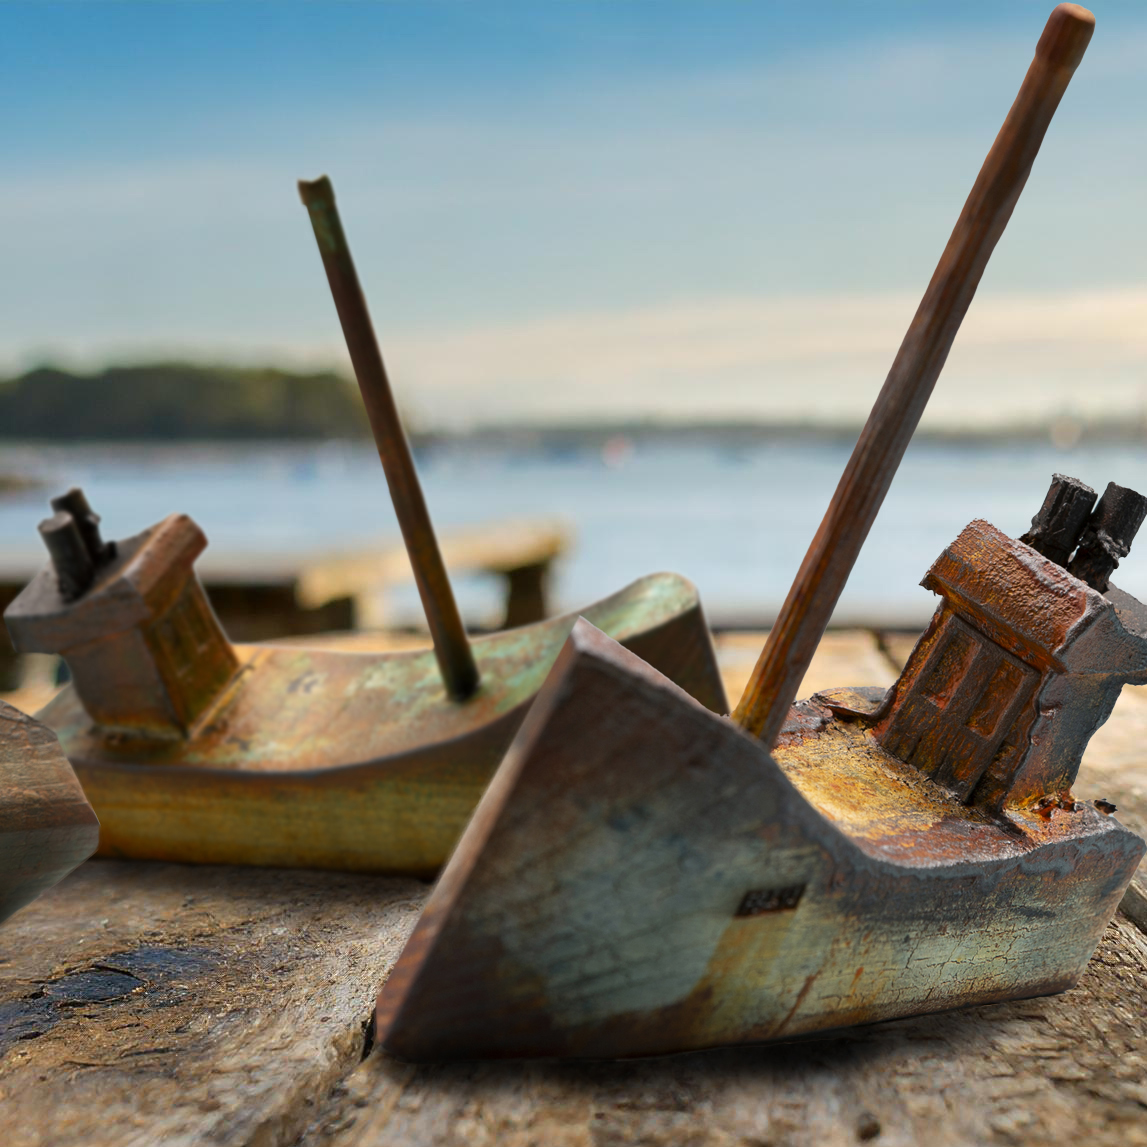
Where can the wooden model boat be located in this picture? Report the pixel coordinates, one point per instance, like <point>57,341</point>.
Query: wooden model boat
<point>194,749</point>
<point>667,884</point>
<point>644,876</point>
<point>47,828</point>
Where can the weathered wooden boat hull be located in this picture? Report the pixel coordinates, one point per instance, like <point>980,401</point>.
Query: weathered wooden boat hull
<point>357,761</point>
<point>47,828</point>
<point>665,884</point>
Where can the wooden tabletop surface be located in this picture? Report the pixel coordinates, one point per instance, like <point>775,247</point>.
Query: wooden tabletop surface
<point>157,1004</point>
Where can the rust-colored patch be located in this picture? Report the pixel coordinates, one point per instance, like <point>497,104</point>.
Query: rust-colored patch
<point>997,702</point>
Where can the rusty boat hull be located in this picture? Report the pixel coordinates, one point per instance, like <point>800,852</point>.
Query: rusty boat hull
<point>331,759</point>
<point>664,884</point>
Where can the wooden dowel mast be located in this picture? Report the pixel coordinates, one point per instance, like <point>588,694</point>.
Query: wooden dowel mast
<point>451,647</point>
<point>805,614</point>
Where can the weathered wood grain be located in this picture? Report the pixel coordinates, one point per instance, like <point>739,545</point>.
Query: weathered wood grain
<point>147,1003</point>
<point>1055,1070</point>
<point>249,1058</point>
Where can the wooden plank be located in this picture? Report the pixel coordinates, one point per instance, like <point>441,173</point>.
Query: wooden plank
<point>238,1051</point>
<point>1051,1070</point>
<point>148,1003</point>
<point>500,548</point>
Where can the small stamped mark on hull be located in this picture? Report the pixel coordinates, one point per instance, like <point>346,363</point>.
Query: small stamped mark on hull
<point>758,901</point>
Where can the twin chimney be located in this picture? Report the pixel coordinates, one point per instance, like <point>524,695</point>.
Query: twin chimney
<point>72,535</point>
<point>1100,537</point>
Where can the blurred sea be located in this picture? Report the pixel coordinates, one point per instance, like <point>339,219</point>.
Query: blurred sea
<point>735,521</point>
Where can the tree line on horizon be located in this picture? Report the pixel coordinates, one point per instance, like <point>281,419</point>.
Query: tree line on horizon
<point>180,401</point>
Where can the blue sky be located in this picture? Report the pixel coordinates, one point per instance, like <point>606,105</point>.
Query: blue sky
<point>566,208</point>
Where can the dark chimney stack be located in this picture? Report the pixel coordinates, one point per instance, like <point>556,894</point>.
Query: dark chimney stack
<point>1108,535</point>
<point>72,536</point>
<point>1057,527</point>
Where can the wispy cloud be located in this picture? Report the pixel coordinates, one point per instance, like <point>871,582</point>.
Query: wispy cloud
<point>1019,358</point>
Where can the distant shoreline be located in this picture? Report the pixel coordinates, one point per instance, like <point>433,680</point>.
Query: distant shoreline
<point>167,404</point>
<point>554,436</point>
<point>597,437</point>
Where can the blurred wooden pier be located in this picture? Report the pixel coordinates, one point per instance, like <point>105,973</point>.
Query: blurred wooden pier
<point>149,1003</point>
<point>259,597</point>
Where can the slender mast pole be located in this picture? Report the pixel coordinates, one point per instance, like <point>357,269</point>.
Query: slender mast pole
<point>805,614</point>
<point>451,647</point>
